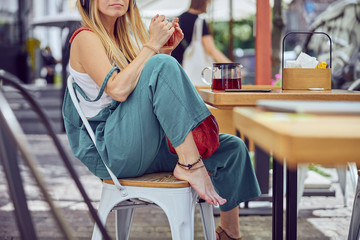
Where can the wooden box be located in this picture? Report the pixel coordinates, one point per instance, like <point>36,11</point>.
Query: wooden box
<point>305,78</point>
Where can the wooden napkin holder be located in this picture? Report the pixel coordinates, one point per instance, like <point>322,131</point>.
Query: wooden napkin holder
<point>305,78</point>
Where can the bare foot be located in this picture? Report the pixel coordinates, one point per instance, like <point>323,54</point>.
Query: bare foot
<point>199,179</point>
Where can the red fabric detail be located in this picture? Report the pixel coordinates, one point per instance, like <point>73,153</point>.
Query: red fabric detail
<point>77,31</point>
<point>206,137</point>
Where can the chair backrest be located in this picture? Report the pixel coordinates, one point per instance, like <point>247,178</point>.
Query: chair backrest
<point>74,99</point>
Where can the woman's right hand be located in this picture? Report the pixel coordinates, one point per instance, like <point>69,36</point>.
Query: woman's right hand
<point>160,31</point>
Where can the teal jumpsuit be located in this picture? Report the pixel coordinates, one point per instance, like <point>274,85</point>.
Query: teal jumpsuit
<point>131,135</point>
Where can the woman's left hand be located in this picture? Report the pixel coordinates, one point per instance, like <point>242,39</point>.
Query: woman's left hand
<point>178,37</point>
<point>178,34</point>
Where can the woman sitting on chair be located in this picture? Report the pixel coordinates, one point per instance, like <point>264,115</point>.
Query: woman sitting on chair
<point>151,98</point>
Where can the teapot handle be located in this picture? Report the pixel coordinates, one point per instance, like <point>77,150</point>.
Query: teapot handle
<point>203,77</point>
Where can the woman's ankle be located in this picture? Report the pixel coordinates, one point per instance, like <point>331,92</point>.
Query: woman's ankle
<point>191,165</point>
<point>231,232</point>
<point>229,221</point>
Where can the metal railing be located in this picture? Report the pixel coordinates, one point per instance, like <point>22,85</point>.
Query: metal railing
<point>11,132</point>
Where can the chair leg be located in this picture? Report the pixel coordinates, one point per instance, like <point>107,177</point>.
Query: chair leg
<point>354,230</point>
<point>207,219</point>
<point>181,219</point>
<point>105,206</point>
<point>103,214</point>
<point>353,174</point>
<point>302,171</point>
<point>123,220</point>
<point>341,172</point>
<point>182,227</point>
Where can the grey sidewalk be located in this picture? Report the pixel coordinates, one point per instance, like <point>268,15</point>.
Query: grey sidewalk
<point>319,217</point>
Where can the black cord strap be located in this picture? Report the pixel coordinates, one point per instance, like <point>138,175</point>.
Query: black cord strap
<point>189,166</point>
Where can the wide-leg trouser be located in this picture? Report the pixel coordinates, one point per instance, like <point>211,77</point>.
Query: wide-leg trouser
<point>165,103</point>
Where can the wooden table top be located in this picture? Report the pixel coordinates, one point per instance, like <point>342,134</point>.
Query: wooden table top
<point>225,100</point>
<point>302,138</point>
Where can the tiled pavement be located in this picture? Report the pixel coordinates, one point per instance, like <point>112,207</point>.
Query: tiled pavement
<point>319,217</point>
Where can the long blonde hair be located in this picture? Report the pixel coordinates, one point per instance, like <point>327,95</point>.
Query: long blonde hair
<point>125,46</point>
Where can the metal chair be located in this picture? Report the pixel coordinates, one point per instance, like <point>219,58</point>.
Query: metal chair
<point>341,170</point>
<point>175,197</point>
<point>342,176</point>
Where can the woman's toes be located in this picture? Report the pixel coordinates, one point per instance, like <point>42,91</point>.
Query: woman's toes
<point>222,201</point>
<point>208,200</point>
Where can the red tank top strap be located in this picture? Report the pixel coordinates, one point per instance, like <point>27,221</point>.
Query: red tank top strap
<point>77,31</point>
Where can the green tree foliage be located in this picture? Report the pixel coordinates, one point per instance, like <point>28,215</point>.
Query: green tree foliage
<point>243,36</point>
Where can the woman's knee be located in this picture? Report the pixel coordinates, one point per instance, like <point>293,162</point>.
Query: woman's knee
<point>154,67</point>
<point>164,68</point>
<point>161,60</point>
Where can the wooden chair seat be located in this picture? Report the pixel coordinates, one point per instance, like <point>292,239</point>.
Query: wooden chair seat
<point>153,180</point>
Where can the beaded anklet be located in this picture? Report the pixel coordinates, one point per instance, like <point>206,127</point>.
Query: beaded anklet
<point>189,166</point>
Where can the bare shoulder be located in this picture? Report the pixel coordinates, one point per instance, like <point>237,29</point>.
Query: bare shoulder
<point>87,52</point>
<point>88,55</point>
<point>85,39</point>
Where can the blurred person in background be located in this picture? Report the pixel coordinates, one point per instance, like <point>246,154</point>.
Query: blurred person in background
<point>186,22</point>
<point>49,64</point>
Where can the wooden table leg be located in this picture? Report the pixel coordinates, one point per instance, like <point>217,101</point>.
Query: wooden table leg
<point>278,201</point>
<point>262,166</point>
<point>291,204</point>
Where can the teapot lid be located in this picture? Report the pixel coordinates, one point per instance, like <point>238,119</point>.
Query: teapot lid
<point>231,65</point>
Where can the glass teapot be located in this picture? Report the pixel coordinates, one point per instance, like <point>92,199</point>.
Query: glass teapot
<point>224,76</point>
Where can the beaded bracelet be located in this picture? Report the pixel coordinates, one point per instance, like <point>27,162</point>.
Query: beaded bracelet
<point>152,48</point>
